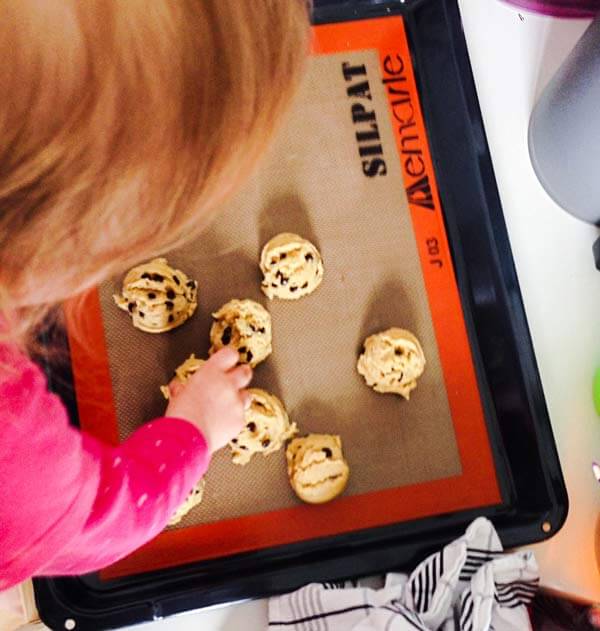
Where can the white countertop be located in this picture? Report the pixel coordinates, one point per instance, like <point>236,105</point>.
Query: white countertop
<point>513,58</point>
<point>513,55</point>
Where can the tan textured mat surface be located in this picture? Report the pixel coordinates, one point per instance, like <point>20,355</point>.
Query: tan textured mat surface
<point>311,183</point>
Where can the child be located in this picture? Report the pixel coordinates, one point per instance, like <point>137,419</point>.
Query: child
<point>123,125</point>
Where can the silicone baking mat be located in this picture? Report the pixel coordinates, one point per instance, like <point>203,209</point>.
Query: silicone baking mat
<point>351,171</point>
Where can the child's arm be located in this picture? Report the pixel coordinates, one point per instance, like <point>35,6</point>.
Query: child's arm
<point>71,504</point>
<point>138,486</point>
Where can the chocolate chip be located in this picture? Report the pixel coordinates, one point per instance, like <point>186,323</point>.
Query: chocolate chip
<point>243,447</point>
<point>158,278</point>
<point>327,452</point>
<point>141,313</point>
<point>292,288</point>
<point>169,305</point>
<point>398,352</point>
<point>190,283</point>
<point>177,281</point>
<point>253,328</point>
<point>152,295</point>
<point>273,284</point>
<point>282,279</point>
<point>262,329</point>
<point>308,257</point>
<point>170,294</point>
<point>226,336</point>
<point>251,427</point>
<point>305,285</point>
<point>282,256</point>
<point>146,275</point>
<point>171,318</point>
<point>249,356</point>
<point>266,442</point>
<point>234,440</point>
<point>131,307</point>
<point>242,349</point>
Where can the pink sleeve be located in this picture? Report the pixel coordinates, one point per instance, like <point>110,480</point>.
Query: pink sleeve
<point>71,504</point>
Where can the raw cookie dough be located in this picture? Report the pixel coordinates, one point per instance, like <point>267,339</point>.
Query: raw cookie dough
<point>193,499</point>
<point>184,372</point>
<point>244,325</point>
<point>158,297</point>
<point>316,467</point>
<point>267,427</point>
<point>292,267</point>
<point>392,361</point>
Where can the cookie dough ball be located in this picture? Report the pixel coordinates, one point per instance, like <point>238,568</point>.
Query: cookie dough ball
<point>267,427</point>
<point>184,372</point>
<point>392,361</point>
<point>244,325</point>
<point>192,500</point>
<point>158,297</point>
<point>316,467</point>
<point>292,267</point>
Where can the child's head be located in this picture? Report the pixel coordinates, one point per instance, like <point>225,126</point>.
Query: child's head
<point>122,124</point>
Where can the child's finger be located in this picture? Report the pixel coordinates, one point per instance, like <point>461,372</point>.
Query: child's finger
<point>225,359</point>
<point>246,399</point>
<point>175,387</point>
<point>241,376</point>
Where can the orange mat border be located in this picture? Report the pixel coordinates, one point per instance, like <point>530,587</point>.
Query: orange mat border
<point>477,486</point>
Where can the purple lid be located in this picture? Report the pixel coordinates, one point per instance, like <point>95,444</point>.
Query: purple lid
<point>560,8</point>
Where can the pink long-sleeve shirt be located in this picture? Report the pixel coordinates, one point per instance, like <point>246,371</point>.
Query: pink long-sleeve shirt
<point>70,504</point>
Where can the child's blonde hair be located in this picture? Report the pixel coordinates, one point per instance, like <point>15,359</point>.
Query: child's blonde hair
<point>122,124</point>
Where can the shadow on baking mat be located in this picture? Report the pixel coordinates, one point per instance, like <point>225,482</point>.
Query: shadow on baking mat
<point>352,170</point>
<point>286,213</point>
<point>388,305</point>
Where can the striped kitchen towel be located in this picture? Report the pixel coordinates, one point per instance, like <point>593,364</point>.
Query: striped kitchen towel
<point>470,585</point>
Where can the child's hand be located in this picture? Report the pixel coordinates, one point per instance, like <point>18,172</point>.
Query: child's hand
<point>213,398</point>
